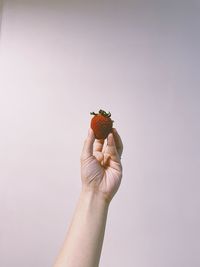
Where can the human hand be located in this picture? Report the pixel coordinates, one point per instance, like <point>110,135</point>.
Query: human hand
<point>101,168</point>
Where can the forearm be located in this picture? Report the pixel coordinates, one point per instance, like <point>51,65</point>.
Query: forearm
<point>83,243</point>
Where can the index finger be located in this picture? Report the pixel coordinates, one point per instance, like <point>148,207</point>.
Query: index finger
<point>88,145</point>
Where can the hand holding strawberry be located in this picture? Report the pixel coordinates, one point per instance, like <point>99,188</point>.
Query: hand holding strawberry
<point>101,169</point>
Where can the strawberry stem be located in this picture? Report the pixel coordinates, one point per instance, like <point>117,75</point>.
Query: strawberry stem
<point>103,113</point>
<point>93,113</point>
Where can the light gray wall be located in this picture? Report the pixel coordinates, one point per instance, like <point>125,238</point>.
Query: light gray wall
<point>141,61</point>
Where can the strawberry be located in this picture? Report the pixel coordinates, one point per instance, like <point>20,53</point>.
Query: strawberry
<point>101,124</point>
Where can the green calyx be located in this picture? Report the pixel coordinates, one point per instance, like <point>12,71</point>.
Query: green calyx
<point>103,113</point>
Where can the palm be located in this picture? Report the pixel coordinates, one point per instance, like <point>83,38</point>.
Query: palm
<point>102,169</point>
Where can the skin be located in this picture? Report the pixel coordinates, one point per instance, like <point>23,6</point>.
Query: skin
<point>101,174</point>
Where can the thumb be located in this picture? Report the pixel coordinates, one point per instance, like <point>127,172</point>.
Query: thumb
<point>87,150</point>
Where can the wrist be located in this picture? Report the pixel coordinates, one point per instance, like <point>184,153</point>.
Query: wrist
<point>94,197</point>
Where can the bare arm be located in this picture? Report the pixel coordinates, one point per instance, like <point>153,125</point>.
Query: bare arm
<point>101,173</point>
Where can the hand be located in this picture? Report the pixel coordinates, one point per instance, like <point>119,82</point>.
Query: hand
<point>101,168</point>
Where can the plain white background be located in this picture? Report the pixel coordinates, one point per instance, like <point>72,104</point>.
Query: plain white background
<point>60,60</point>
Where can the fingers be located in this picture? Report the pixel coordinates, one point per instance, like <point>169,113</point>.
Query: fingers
<point>88,145</point>
<point>118,142</point>
<point>98,155</point>
<point>98,145</point>
<point>111,149</point>
<point>106,159</point>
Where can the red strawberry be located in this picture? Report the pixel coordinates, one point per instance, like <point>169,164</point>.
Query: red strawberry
<point>101,124</point>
